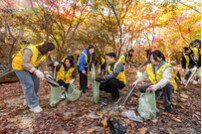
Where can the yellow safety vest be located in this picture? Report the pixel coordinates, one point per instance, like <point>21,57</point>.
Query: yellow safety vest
<point>16,63</point>
<point>86,59</point>
<point>122,58</point>
<point>63,75</point>
<point>196,54</point>
<point>155,78</point>
<point>102,60</point>
<point>120,76</point>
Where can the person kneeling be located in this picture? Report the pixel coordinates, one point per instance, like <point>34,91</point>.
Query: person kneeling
<point>115,78</point>
<point>162,78</point>
<point>66,73</point>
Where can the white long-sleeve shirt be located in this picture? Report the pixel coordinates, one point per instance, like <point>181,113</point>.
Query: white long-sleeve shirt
<point>167,75</point>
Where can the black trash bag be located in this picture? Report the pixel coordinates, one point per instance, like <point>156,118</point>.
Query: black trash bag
<point>116,127</point>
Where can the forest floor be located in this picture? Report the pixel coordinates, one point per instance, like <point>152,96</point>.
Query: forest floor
<point>73,117</point>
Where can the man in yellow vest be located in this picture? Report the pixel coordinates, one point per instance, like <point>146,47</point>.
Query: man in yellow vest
<point>115,79</point>
<point>102,63</point>
<point>190,58</point>
<point>66,73</point>
<point>83,64</point>
<point>25,64</point>
<point>162,78</point>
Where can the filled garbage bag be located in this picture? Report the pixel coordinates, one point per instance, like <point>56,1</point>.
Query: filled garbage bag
<point>73,93</point>
<point>147,105</point>
<point>92,72</point>
<point>99,69</point>
<point>56,92</point>
<point>96,90</point>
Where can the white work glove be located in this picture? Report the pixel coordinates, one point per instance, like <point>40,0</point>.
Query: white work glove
<point>84,72</point>
<point>194,69</point>
<point>55,64</point>
<point>153,88</point>
<point>71,81</point>
<point>39,74</point>
<point>134,84</point>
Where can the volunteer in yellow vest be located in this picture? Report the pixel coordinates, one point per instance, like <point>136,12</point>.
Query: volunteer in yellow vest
<point>127,57</point>
<point>162,78</point>
<point>83,64</point>
<point>196,44</point>
<point>25,64</point>
<point>66,73</point>
<point>190,59</point>
<point>102,62</point>
<point>115,79</point>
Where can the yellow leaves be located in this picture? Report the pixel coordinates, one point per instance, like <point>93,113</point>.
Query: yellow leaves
<point>176,119</point>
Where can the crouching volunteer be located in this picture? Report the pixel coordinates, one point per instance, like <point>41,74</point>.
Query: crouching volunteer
<point>66,73</point>
<point>115,79</point>
<point>162,78</point>
<point>127,57</point>
<point>84,61</point>
<point>25,64</point>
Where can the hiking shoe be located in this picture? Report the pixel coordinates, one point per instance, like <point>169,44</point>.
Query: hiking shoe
<point>36,109</point>
<point>169,109</point>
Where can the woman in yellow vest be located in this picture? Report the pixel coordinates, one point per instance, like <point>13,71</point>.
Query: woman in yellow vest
<point>162,78</point>
<point>115,78</point>
<point>127,57</point>
<point>66,73</point>
<point>190,59</point>
<point>102,62</point>
<point>25,64</point>
<point>84,61</point>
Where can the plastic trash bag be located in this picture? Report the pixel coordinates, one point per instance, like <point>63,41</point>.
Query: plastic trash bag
<point>147,105</point>
<point>132,116</point>
<point>116,127</point>
<point>73,93</point>
<point>92,72</point>
<point>99,69</point>
<point>198,73</point>
<point>139,73</point>
<point>96,91</point>
<point>55,94</point>
<point>93,115</point>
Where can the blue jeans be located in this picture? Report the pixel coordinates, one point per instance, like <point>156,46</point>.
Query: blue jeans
<point>30,86</point>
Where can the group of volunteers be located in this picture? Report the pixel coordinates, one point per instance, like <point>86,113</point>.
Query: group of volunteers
<point>161,74</point>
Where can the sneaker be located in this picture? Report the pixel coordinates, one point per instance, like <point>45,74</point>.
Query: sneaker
<point>169,109</point>
<point>62,96</point>
<point>195,82</point>
<point>83,91</point>
<point>36,109</point>
<point>184,82</point>
<point>105,101</point>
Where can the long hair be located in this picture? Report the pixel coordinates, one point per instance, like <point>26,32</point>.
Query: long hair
<point>71,60</point>
<point>46,47</point>
<point>158,54</point>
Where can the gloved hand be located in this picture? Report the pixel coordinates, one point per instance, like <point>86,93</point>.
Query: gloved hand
<point>134,84</point>
<point>55,64</point>
<point>153,88</point>
<point>84,72</point>
<point>39,74</point>
<point>99,79</point>
<point>194,69</point>
<point>71,81</point>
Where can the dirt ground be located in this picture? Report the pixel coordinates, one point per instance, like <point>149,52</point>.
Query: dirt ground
<point>73,117</point>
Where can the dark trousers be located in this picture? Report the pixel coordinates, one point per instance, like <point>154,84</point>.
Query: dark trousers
<point>83,80</point>
<point>167,92</point>
<point>62,83</point>
<point>112,86</point>
<point>103,68</point>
